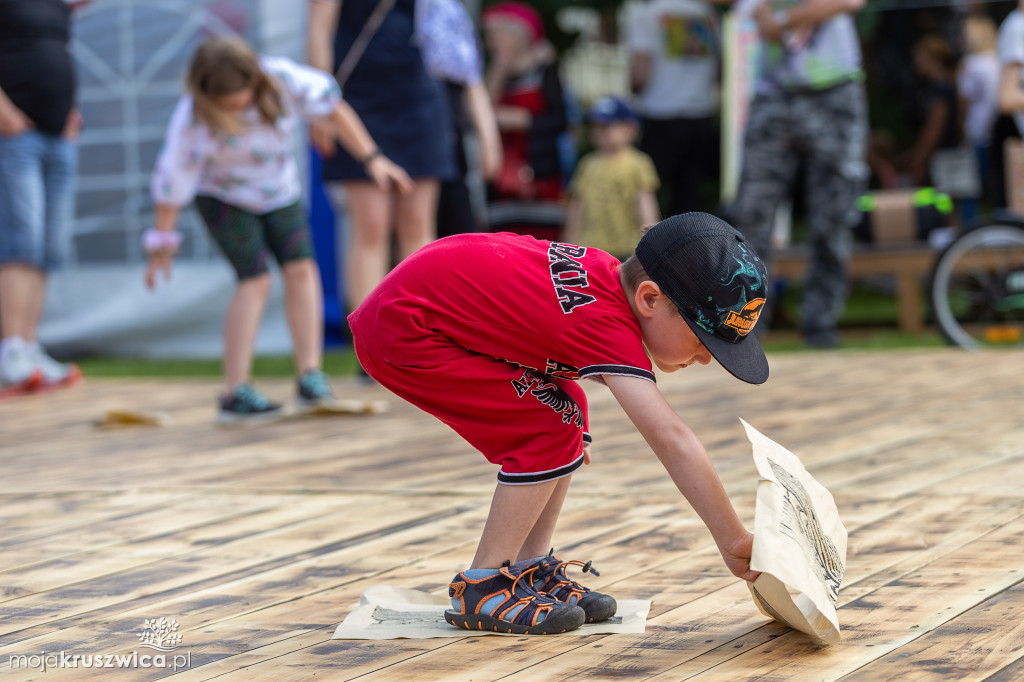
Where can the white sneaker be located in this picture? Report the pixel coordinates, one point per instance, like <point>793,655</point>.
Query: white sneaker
<point>18,369</point>
<point>52,372</point>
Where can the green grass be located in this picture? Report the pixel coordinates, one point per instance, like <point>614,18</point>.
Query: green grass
<point>336,363</point>
<point>865,338</point>
<point>869,323</point>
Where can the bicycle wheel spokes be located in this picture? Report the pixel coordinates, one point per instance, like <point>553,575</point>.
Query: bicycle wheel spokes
<point>978,288</point>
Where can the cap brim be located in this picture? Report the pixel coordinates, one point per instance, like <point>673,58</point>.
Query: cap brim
<point>604,119</point>
<point>744,360</point>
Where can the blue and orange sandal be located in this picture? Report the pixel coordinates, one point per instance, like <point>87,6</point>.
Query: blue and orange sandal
<point>549,578</point>
<point>505,602</point>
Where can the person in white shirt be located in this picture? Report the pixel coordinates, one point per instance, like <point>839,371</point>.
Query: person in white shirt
<point>673,47</point>
<point>978,85</point>
<point>1011,59</point>
<point>229,148</point>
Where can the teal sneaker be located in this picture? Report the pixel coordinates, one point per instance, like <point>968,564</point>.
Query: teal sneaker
<point>247,406</point>
<point>504,602</point>
<point>313,392</point>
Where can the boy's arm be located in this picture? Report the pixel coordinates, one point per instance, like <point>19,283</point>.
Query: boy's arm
<point>684,457</point>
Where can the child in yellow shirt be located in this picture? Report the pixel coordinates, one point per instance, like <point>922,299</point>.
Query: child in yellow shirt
<point>612,194</point>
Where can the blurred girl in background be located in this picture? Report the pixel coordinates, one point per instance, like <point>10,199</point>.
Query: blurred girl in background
<point>229,147</point>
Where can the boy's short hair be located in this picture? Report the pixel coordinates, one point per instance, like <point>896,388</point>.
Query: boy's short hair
<point>611,110</point>
<point>703,265</point>
<point>633,273</point>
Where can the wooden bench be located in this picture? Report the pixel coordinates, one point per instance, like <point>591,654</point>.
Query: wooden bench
<point>907,262</point>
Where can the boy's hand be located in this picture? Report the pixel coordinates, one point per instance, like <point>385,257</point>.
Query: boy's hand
<point>586,454</point>
<point>737,557</point>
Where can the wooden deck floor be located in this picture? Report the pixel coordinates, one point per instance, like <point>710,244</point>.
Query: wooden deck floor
<point>258,542</point>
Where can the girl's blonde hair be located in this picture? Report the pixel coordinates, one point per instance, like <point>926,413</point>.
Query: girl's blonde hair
<point>223,66</point>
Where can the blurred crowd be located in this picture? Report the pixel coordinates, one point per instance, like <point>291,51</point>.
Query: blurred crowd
<point>433,121</point>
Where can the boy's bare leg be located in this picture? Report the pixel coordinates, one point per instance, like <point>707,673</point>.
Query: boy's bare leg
<point>515,510</point>
<point>538,542</point>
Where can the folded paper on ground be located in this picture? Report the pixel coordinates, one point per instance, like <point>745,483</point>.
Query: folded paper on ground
<point>386,612</point>
<point>799,543</point>
<point>126,416</point>
<point>346,406</point>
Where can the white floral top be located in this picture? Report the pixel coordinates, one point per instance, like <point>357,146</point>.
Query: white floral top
<point>255,171</point>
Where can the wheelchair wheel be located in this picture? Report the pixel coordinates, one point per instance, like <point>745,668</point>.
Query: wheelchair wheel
<point>977,288</point>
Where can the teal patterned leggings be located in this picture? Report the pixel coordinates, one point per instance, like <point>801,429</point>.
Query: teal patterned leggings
<point>248,240</point>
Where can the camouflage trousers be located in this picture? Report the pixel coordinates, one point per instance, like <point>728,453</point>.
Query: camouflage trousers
<point>827,131</point>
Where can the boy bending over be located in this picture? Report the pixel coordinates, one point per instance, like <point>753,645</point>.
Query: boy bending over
<point>490,334</point>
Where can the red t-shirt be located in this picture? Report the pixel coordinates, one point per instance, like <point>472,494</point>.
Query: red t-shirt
<point>555,308</point>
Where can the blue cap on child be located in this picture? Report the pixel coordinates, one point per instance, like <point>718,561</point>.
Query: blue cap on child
<point>611,110</point>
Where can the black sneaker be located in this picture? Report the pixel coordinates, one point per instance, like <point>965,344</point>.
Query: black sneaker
<point>549,578</point>
<point>245,405</point>
<point>313,392</point>
<point>505,602</point>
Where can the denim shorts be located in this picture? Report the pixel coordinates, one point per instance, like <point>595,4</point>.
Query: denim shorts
<point>37,198</point>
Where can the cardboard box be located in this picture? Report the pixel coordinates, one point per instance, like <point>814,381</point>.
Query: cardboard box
<point>894,217</point>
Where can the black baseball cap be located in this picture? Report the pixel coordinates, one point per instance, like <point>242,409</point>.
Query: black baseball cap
<point>711,274</point>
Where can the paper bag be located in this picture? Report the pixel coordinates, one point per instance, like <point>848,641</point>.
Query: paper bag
<point>799,543</point>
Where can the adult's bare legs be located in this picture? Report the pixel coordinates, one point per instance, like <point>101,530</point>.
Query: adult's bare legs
<point>368,253</point>
<point>22,291</point>
<point>416,217</point>
<point>372,211</point>
<point>303,305</point>
<point>240,326</point>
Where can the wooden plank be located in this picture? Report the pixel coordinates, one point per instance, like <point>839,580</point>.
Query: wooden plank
<point>685,578</point>
<point>886,619</point>
<point>709,617</point>
<point>919,449</point>
<point>972,646</point>
<point>124,578</point>
<point>196,529</point>
<point>881,555</point>
<point>308,577</point>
